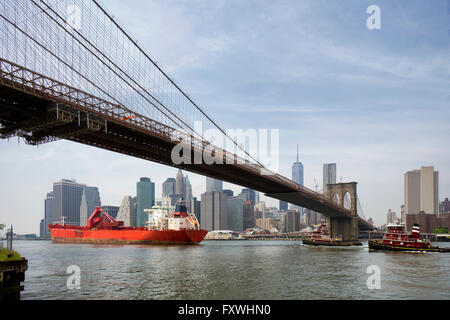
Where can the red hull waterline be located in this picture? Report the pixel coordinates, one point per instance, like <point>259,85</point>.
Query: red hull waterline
<point>63,234</point>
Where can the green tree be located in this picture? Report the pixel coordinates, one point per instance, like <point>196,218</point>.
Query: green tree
<point>441,230</point>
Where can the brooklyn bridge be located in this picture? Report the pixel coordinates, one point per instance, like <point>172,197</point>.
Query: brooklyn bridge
<point>69,71</point>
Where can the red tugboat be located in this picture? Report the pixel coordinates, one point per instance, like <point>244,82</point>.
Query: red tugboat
<point>165,226</point>
<point>396,239</point>
<point>320,237</point>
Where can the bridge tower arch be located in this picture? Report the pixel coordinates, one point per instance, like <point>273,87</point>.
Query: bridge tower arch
<point>347,228</point>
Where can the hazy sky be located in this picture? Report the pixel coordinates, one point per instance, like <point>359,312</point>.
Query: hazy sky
<point>376,102</point>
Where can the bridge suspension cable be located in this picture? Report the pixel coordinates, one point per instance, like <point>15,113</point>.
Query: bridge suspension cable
<point>98,57</point>
<point>115,65</point>
<point>176,86</point>
<point>360,209</point>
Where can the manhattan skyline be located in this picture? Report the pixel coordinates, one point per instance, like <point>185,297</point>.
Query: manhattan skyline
<point>359,98</point>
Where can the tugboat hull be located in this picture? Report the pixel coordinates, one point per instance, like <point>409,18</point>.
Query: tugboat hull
<point>378,245</point>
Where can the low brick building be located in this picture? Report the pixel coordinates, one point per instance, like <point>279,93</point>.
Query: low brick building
<point>427,222</point>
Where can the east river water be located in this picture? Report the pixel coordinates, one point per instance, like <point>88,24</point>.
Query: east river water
<point>231,270</point>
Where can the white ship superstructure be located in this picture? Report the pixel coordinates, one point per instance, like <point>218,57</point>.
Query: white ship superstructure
<point>167,218</point>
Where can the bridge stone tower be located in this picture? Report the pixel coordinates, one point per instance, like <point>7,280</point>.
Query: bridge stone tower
<point>345,227</point>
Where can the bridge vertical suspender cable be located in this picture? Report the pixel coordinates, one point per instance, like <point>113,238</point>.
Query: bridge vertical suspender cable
<point>115,65</point>
<point>174,84</point>
<point>110,64</point>
<point>360,209</point>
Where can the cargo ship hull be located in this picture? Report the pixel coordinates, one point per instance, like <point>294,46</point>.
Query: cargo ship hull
<point>126,236</point>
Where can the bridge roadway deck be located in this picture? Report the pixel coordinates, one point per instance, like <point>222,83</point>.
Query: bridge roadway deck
<point>41,109</point>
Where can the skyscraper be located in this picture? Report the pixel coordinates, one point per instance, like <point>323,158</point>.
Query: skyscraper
<point>188,195</point>
<point>66,201</point>
<point>145,200</point>
<point>180,184</point>
<point>429,190</point>
<point>90,199</point>
<point>229,193</point>
<point>42,229</point>
<point>174,198</point>
<point>312,217</point>
<point>248,195</point>
<point>214,210</point>
<point>260,210</point>
<point>188,189</point>
<point>444,206</point>
<point>283,206</point>
<point>213,184</point>
<point>412,191</point>
<point>48,212</point>
<point>422,191</point>
<point>127,212</point>
<point>297,176</point>
<point>113,211</point>
<point>390,217</point>
<point>280,221</point>
<point>292,221</point>
<point>235,214</point>
<point>248,214</point>
<point>329,175</point>
<point>197,207</point>
<point>168,187</point>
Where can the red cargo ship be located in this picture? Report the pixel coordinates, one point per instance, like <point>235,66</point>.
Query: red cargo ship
<point>396,239</point>
<point>163,227</point>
